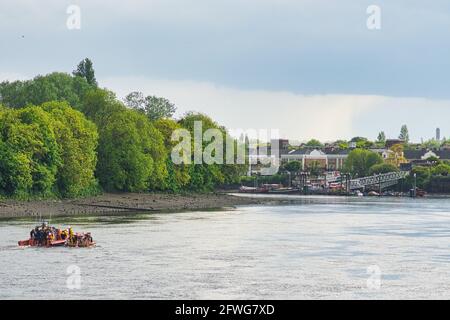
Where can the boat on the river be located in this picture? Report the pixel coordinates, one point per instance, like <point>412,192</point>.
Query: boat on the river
<point>49,236</point>
<point>245,189</point>
<point>285,191</point>
<point>265,188</point>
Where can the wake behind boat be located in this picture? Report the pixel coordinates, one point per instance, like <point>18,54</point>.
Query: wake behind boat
<point>49,236</point>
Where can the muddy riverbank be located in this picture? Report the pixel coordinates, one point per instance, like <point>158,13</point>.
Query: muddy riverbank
<point>110,203</point>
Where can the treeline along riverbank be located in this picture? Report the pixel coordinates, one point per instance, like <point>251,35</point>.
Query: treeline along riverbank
<point>62,136</point>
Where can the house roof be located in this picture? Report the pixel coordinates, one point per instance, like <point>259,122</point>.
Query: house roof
<point>414,154</point>
<point>444,154</point>
<point>339,151</point>
<point>418,154</point>
<point>309,151</point>
<point>299,152</point>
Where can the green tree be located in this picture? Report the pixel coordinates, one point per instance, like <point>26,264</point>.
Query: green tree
<point>131,152</point>
<point>293,166</point>
<point>32,149</point>
<point>125,160</point>
<point>204,176</point>
<point>154,107</point>
<point>314,143</point>
<point>404,133</point>
<point>15,172</point>
<point>178,175</point>
<point>77,138</point>
<point>382,168</point>
<point>52,87</point>
<point>431,144</point>
<point>381,139</point>
<point>207,176</point>
<point>46,151</point>
<point>342,144</point>
<point>85,70</point>
<point>99,104</point>
<point>441,170</point>
<point>423,175</point>
<point>359,162</point>
<point>362,142</point>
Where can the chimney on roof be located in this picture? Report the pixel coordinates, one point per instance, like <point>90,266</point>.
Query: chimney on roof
<point>438,134</point>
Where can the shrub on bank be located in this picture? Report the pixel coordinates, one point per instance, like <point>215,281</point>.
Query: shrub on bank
<point>382,168</point>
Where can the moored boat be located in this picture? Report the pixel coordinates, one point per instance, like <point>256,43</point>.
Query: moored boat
<point>285,191</point>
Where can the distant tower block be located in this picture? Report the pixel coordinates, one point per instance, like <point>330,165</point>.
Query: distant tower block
<point>438,134</point>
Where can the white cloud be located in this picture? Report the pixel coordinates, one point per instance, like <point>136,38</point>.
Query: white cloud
<point>299,117</point>
<point>325,117</point>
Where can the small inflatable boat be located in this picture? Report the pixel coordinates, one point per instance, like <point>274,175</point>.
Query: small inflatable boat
<point>49,236</point>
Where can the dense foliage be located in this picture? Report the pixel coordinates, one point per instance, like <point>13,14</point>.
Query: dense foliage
<point>131,150</point>
<point>178,176</point>
<point>153,107</point>
<point>46,151</point>
<point>292,166</point>
<point>85,70</point>
<point>77,142</point>
<point>206,176</point>
<point>434,179</point>
<point>52,87</point>
<point>61,135</point>
<point>360,161</point>
<point>382,168</point>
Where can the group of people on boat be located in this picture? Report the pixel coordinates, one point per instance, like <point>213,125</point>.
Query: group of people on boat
<point>45,235</point>
<point>80,240</point>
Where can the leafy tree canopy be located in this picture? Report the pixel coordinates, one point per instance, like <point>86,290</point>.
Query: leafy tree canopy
<point>359,162</point>
<point>404,133</point>
<point>293,166</point>
<point>154,107</point>
<point>382,168</point>
<point>381,139</point>
<point>46,151</point>
<point>85,70</point>
<point>77,138</point>
<point>52,87</point>
<point>362,142</point>
<point>314,143</point>
<point>441,169</point>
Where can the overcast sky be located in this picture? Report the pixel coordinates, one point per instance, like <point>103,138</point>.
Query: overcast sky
<point>310,68</point>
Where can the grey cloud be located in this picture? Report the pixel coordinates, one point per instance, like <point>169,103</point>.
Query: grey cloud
<point>309,47</point>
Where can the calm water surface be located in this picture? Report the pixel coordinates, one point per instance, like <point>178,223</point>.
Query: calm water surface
<point>316,247</point>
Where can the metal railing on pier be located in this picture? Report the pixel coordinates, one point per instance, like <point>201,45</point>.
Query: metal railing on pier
<point>385,179</point>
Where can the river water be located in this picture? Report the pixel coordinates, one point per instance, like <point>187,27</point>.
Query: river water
<point>313,247</point>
